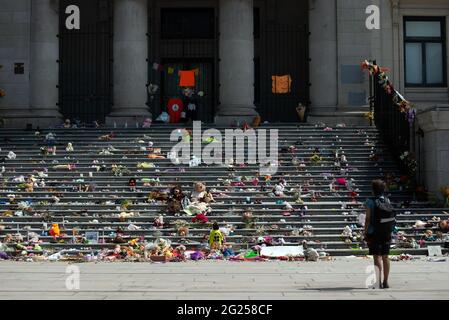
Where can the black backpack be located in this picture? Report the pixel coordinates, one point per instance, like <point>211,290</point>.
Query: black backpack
<point>384,219</point>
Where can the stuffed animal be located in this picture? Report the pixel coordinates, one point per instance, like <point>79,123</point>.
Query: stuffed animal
<point>279,188</point>
<point>158,195</point>
<point>11,155</point>
<point>146,123</point>
<point>123,216</point>
<point>69,147</point>
<point>201,218</point>
<point>55,231</point>
<point>159,222</point>
<point>199,191</point>
<point>107,137</point>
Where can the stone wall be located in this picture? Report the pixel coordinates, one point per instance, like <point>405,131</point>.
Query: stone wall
<point>356,43</point>
<point>15,48</point>
<point>434,148</point>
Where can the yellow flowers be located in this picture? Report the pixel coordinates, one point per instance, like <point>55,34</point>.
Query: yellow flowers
<point>316,158</point>
<point>369,115</point>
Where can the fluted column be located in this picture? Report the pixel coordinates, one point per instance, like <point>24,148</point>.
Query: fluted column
<point>236,61</point>
<point>130,61</point>
<point>44,69</point>
<point>323,54</point>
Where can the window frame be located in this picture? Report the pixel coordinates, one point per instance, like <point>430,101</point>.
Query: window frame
<point>423,41</point>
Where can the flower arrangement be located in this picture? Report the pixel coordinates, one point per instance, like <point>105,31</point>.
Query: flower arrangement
<point>316,159</point>
<point>369,115</point>
<point>405,106</point>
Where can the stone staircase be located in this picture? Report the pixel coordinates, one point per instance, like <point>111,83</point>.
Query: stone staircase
<point>98,210</point>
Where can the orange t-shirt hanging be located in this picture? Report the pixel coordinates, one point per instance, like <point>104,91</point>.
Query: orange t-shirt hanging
<point>281,84</point>
<point>187,78</point>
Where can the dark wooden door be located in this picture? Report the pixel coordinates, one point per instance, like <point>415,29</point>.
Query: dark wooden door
<point>204,81</point>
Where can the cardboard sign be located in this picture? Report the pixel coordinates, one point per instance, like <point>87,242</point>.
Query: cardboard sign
<point>434,251</point>
<point>283,251</point>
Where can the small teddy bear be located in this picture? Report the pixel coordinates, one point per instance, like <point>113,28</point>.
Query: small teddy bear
<point>69,147</point>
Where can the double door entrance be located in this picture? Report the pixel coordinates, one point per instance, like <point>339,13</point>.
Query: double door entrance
<point>204,91</point>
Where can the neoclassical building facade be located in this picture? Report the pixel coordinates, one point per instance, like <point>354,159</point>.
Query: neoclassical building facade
<point>102,71</point>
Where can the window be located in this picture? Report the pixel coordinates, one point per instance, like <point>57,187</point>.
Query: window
<point>188,23</point>
<point>425,52</point>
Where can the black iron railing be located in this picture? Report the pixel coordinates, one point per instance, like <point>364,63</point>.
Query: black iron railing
<point>396,129</point>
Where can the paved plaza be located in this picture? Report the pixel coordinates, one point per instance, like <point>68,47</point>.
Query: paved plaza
<point>344,278</point>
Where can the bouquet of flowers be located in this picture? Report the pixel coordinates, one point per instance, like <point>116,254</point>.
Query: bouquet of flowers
<point>369,115</point>
<point>315,159</point>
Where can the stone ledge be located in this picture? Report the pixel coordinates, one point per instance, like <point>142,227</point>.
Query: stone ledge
<point>435,118</point>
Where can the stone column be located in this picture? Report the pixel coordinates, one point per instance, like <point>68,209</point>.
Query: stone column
<point>236,62</point>
<point>130,62</point>
<point>323,54</point>
<point>44,69</point>
<point>434,159</point>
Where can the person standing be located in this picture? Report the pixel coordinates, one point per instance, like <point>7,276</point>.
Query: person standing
<point>379,225</point>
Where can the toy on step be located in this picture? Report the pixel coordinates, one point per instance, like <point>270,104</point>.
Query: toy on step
<point>179,254</point>
<point>200,218</point>
<point>55,232</point>
<point>353,196</point>
<point>174,203</point>
<point>279,188</point>
<point>444,225</point>
<point>11,155</point>
<point>429,236</point>
<point>50,139</point>
<point>343,160</point>
<point>182,228</point>
<point>159,222</point>
<point>132,184</point>
<point>29,185</point>
<point>199,192</point>
<point>69,147</point>
<point>107,137</point>
<point>147,123</point>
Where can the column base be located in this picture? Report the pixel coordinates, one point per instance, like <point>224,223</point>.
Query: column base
<point>232,115</point>
<point>42,118</point>
<point>128,117</point>
<point>228,121</point>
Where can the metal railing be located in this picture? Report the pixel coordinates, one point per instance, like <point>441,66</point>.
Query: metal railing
<point>397,131</point>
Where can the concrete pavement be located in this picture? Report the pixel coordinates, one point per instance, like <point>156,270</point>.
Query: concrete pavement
<point>344,278</point>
